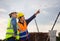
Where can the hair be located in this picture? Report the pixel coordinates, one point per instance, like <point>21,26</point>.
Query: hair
<point>12,13</point>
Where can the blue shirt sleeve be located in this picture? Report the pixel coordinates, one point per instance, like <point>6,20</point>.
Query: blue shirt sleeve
<point>30,19</point>
<point>14,24</point>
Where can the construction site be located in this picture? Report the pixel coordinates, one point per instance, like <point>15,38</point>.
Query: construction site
<point>44,13</point>
<point>41,36</point>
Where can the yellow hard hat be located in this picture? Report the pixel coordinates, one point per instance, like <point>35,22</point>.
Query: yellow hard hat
<point>20,14</point>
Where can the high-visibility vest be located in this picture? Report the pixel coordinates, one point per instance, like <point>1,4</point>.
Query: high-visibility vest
<point>23,29</point>
<point>10,31</point>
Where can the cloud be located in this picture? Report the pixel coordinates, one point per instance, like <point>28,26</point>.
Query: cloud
<point>3,26</point>
<point>3,10</point>
<point>3,20</point>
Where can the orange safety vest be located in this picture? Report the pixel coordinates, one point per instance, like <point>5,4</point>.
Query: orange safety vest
<point>22,27</point>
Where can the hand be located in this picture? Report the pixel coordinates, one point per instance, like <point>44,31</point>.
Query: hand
<point>14,36</point>
<point>37,12</point>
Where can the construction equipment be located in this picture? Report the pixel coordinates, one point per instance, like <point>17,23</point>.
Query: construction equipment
<point>52,33</point>
<point>36,25</point>
<point>55,21</point>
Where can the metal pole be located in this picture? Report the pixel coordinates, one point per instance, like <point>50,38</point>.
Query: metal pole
<point>53,25</point>
<point>37,29</point>
<point>36,25</point>
<point>55,21</point>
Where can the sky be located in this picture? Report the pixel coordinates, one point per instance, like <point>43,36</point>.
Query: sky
<point>49,10</point>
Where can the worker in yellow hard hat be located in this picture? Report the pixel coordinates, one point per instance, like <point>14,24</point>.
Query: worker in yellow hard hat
<point>22,24</point>
<point>20,14</point>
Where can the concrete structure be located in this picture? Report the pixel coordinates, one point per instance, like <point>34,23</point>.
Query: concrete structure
<point>52,35</point>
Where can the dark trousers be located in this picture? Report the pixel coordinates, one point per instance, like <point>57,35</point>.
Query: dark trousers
<point>24,40</point>
<point>11,39</point>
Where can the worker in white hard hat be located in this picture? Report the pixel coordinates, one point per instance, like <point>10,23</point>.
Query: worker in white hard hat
<point>11,32</point>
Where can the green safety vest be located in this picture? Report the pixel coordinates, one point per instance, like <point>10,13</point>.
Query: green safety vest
<point>10,31</point>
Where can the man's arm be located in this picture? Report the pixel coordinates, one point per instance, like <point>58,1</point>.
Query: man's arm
<point>32,17</point>
<point>14,24</point>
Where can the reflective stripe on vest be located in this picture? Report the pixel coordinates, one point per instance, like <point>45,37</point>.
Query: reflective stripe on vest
<point>22,29</point>
<point>24,36</point>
